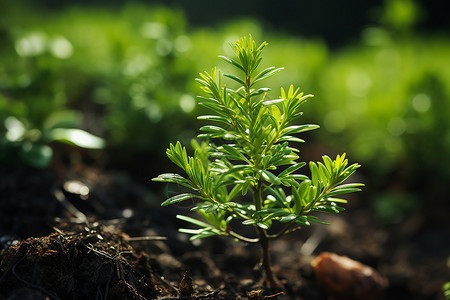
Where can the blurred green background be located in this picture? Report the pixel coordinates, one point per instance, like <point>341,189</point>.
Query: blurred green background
<point>379,70</point>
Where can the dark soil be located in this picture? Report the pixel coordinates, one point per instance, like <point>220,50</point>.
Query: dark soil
<point>87,233</point>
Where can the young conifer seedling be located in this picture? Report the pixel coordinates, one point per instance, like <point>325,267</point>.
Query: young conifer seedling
<point>250,150</point>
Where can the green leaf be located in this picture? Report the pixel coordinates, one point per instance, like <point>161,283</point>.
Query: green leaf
<point>264,74</point>
<point>235,171</point>
<point>240,210</point>
<point>290,138</point>
<point>210,82</point>
<point>298,128</point>
<point>206,208</point>
<point>276,115</point>
<point>234,191</point>
<point>212,128</point>
<point>249,222</point>
<point>179,198</point>
<point>279,195</point>
<point>272,102</point>
<point>200,233</point>
<point>234,153</point>
<point>314,173</point>
<point>298,176</point>
<point>302,220</point>
<point>178,155</point>
<point>236,93</point>
<point>173,178</point>
<point>342,191</point>
<point>303,190</point>
<point>299,204</point>
<point>288,218</point>
<point>314,219</point>
<point>325,175</point>
<point>214,118</point>
<point>243,111</point>
<point>77,137</point>
<point>245,187</point>
<point>328,163</point>
<point>262,225</point>
<point>203,235</point>
<point>329,209</point>
<point>292,169</point>
<point>191,231</point>
<point>235,78</point>
<point>270,177</point>
<point>270,213</point>
<point>193,221</point>
<point>312,193</point>
<point>349,185</point>
<point>232,61</point>
<point>259,92</point>
<point>212,131</point>
<point>336,200</point>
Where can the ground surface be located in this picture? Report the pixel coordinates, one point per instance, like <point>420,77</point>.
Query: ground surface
<point>86,233</point>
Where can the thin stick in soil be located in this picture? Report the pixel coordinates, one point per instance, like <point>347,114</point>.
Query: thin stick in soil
<point>206,296</point>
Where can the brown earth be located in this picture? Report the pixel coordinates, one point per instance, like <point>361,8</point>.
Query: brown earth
<point>87,233</point>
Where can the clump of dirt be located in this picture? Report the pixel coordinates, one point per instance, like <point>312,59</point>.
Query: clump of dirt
<point>85,262</point>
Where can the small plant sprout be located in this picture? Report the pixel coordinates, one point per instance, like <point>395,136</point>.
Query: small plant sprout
<point>246,170</point>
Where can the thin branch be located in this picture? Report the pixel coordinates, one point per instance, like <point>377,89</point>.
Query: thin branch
<point>242,238</point>
<point>286,230</point>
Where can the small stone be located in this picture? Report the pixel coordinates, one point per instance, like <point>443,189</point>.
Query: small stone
<point>345,278</point>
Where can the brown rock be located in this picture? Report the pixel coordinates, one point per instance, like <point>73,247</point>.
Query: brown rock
<point>345,278</point>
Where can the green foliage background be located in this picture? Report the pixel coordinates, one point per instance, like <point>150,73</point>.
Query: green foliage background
<point>383,98</point>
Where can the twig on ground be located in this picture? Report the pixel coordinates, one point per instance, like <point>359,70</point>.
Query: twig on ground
<point>146,238</point>
<point>117,259</point>
<point>206,296</point>
<point>258,294</point>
